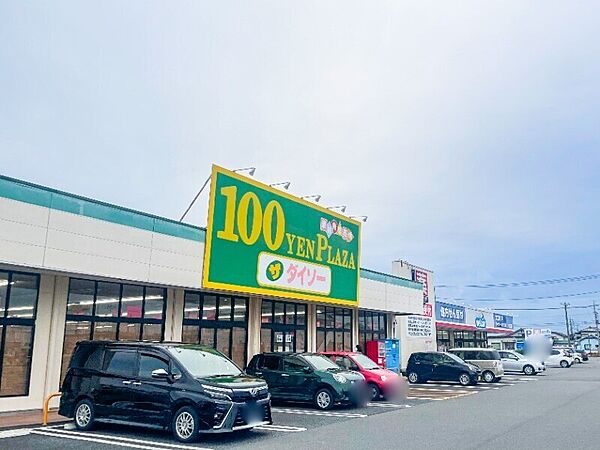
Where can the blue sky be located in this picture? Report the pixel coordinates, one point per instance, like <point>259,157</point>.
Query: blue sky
<point>468,132</point>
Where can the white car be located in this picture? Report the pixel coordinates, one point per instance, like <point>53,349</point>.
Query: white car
<point>515,362</point>
<point>576,357</point>
<point>558,358</point>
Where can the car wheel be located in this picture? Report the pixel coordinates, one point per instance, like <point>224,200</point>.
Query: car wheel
<point>564,364</point>
<point>185,425</point>
<point>84,415</point>
<point>413,377</point>
<point>528,370</point>
<point>324,399</point>
<point>375,391</point>
<point>464,379</point>
<point>488,376</point>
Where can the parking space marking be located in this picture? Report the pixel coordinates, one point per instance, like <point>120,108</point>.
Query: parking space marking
<point>388,405</point>
<point>15,433</point>
<point>112,439</point>
<point>436,390</point>
<point>283,428</point>
<point>98,441</point>
<point>317,413</point>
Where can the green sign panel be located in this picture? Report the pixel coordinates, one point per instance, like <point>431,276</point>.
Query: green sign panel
<point>267,242</point>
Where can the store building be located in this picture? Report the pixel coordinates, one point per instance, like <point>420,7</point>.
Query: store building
<point>461,326</point>
<point>73,268</point>
<point>416,331</point>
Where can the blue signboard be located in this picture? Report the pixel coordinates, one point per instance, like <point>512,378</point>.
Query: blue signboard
<point>445,312</point>
<point>502,321</point>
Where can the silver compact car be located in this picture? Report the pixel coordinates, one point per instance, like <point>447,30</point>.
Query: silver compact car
<point>515,362</point>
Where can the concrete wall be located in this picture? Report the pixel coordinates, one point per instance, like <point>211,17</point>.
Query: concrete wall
<point>46,238</point>
<point>412,340</point>
<point>380,296</point>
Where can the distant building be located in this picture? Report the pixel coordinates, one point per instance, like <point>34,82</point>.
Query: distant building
<point>588,343</point>
<point>516,340</point>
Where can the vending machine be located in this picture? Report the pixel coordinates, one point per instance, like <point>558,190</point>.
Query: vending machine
<point>385,353</point>
<point>376,352</point>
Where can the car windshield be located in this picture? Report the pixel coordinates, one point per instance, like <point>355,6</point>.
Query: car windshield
<point>365,362</point>
<point>454,357</point>
<point>204,362</point>
<point>319,362</point>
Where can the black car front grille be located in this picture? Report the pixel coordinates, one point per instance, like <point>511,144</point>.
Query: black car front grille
<point>244,395</point>
<point>242,417</point>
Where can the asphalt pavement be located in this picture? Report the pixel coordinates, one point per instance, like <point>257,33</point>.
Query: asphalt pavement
<point>554,410</point>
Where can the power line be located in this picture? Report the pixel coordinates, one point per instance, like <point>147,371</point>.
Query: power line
<point>525,283</point>
<point>518,299</point>
<point>541,309</point>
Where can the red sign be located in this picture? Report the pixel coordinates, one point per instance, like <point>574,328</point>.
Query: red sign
<point>421,277</point>
<point>427,310</point>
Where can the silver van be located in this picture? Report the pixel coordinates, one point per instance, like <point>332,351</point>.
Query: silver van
<point>487,359</point>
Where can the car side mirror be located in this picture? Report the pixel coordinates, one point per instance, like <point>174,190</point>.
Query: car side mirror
<point>307,369</point>
<point>355,368</point>
<point>161,374</point>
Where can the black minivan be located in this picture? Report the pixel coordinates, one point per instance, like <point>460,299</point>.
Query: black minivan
<point>188,389</point>
<point>439,366</point>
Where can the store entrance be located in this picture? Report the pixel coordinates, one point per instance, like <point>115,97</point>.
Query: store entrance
<point>283,327</point>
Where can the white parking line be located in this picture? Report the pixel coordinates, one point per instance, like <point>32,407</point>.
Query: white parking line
<point>283,428</point>
<point>436,390</point>
<point>111,439</point>
<point>98,441</point>
<point>317,413</point>
<point>15,433</point>
<point>519,377</point>
<point>388,405</point>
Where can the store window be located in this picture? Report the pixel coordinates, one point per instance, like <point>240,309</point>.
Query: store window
<point>217,321</point>
<point>283,327</point>
<point>334,329</point>
<point>443,340</point>
<point>470,339</point>
<point>372,326</point>
<point>112,311</point>
<point>18,305</point>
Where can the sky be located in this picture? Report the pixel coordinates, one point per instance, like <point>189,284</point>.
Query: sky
<point>468,132</point>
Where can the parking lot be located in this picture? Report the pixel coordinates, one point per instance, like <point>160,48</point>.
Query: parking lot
<point>434,414</point>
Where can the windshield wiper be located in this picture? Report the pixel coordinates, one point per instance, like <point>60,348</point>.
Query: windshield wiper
<point>223,375</point>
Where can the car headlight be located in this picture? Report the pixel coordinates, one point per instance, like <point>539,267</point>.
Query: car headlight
<point>340,378</point>
<point>383,378</point>
<point>218,392</point>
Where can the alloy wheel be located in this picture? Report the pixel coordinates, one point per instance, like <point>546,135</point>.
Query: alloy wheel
<point>323,399</point>
<point>464,379</point>
<point>184,425</point>
<point>83,415</point>
<point>528,370</point>
<point>412,377</point>
<point>488,377</point>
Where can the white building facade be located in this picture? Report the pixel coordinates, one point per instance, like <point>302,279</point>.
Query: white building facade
<point>73,268</point>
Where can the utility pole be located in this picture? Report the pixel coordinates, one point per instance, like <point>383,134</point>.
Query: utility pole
<point>596,320</point>
<point>566,305</point>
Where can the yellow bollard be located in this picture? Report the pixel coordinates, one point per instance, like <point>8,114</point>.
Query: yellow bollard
<point>46,406</point>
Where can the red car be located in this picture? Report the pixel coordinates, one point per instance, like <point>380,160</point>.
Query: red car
<point>383,382</point>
